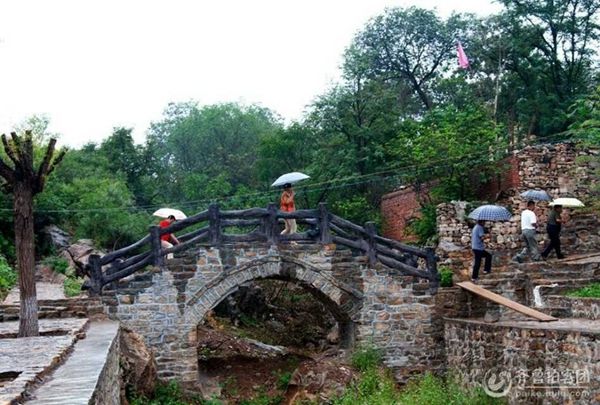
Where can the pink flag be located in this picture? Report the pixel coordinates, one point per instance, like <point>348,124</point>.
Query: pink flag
<point>463,61</point>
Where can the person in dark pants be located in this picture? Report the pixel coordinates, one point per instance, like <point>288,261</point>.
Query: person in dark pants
<point>479,251</point>
<point>553,227</point>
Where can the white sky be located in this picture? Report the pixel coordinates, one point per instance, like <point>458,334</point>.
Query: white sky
<point>94,65</point>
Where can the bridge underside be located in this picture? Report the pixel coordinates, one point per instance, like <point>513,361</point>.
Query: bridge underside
<point>374,304</point>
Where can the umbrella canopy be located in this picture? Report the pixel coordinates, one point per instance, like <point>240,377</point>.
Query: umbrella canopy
<point>567,202</point>
<point>166,212</point>
<point>290,178</point>
<point>537,195</point>
<point>490,213</point>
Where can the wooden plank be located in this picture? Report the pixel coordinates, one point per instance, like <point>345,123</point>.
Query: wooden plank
<point>498,299</point>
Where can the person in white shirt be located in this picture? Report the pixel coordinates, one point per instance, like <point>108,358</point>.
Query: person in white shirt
<point>528,226</point>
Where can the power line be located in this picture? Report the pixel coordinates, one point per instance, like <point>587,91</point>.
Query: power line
<point>333,184</point>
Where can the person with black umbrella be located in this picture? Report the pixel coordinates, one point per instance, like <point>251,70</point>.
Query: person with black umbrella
<point>479,252</point>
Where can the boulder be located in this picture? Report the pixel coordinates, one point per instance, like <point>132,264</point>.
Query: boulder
<point>137,364</point>
<point>55,238</point>
<point>78,254</point>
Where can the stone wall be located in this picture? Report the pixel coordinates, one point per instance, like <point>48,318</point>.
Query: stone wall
<point>108,388</point>
<point>79,307</point>
<point>588,308</point>
<point>527,362</point>
<point>166,305</point>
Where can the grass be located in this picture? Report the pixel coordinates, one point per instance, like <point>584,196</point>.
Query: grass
<point>170,394</point>
<point>589,291</point>
<point>376,386</point>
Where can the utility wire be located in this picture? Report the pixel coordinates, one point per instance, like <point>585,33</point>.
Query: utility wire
<point>339,183</point>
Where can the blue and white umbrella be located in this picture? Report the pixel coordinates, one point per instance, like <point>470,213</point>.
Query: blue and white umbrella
<point>490,213</point>
<point>537,195</point>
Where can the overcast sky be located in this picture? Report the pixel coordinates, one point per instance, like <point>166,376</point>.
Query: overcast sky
<point>94,65</point>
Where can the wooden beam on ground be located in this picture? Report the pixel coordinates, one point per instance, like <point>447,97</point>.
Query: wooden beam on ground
<point>498,299</point>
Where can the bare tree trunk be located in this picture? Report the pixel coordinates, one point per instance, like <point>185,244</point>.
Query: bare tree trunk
<point>24,238</point>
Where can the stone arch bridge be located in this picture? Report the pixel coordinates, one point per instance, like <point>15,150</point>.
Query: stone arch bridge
<point>378,290</point>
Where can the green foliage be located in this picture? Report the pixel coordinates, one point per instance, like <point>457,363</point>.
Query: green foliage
<point>446,275</point>
<point>366,357</point>
<point>284,380</point>
<point>425,227</point>
<point>57,263</point>
<point>433,390</point>
<point>374,387</point>
<point>589,291</point>
<point>8,277</point>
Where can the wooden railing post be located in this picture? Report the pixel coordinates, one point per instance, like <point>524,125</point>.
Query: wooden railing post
<point>324,218</point>
<point>431,262</point>
<point>95,274</point>
<point>371,231</point>
<point>214,221</point>
<point>158,259</point>
<point>271,223</point>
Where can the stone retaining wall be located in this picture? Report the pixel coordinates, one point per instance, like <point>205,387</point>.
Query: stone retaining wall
<point>77,307</point>
<point>108,388</point>
<point>588,308</point>
<point>533,362</point>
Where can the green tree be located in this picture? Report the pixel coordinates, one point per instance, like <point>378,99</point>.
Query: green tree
<point>413,46</point>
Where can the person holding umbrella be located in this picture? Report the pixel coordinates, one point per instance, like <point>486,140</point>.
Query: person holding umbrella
<point>479,252</point>
<point>287,205</point>
<point>482,214</point>
<point>528,231</point>
<point>168,240</point>
<point>553,228</point>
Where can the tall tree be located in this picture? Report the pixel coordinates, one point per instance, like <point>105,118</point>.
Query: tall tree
<point>410,45</point>
<point>24,181</point>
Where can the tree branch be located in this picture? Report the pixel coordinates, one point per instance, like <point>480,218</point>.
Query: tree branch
<point>10,151</point>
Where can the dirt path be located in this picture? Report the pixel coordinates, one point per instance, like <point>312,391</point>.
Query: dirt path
<point>45,291</point>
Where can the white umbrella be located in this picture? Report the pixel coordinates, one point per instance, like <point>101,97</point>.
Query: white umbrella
<point>167,212</point>
<point>290,178</point>
<point>567,202</point>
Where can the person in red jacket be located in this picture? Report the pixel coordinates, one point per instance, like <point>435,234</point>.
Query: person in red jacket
<point>168,239</point>
<point>287,205</point>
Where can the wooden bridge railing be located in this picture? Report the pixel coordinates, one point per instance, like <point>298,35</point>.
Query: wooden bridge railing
<point>324,227</point>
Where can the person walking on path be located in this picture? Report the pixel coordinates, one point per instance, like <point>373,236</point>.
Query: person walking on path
<point>168,239</point>
<point>479,251</point>
<point>553,227</point>
<point>528,227</point>
<point>287,205</point>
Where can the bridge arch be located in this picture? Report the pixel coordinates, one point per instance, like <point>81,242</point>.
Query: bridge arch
<point>342,300</point>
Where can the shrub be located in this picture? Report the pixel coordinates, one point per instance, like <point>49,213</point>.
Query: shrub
<point>366,357</point>
<point>8,277</point>
<point>58,264</point>
<point>446,277</point>
<point>72,286</point>
<point>425,227</point>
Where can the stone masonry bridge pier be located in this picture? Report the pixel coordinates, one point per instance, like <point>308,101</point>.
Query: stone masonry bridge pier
<point>379,291</point>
